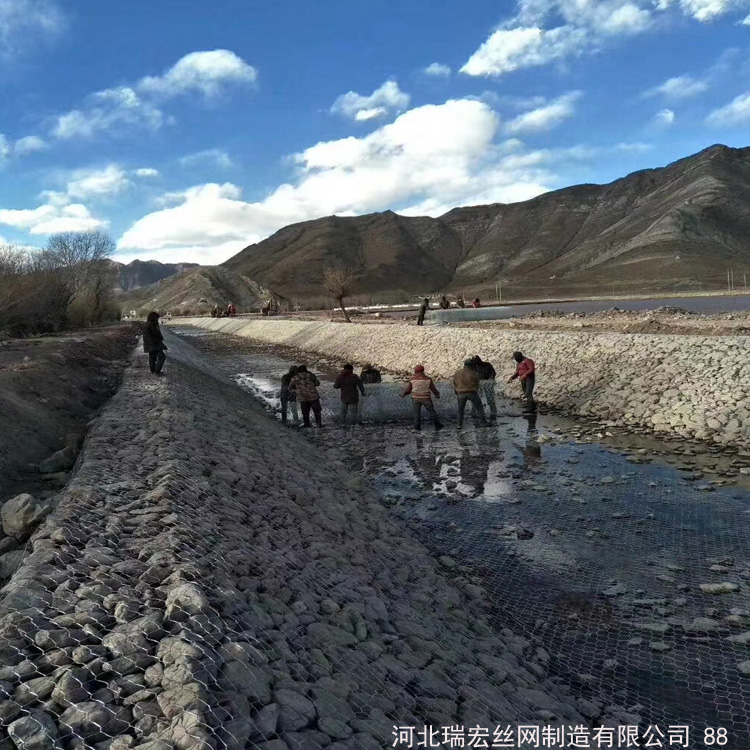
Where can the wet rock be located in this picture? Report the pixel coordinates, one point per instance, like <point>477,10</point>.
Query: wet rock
<point>719,588</point>
<point>702,625</point>
<point>659,646</point>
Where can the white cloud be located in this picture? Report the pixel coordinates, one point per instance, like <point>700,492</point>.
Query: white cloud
<point>679,87</point>
<point>508,50</point>
<point>705,10</point>
<point>439,70</point>
<point>116,110</point>
<point>387,98</point>
<point>121,109</point>
<point>89,184</point>
<point>23,22</point>
<point>50,219</point>
<point>430,159</point>
<point>547,31</point>
<point>4,148</point>
<point>737,112</point>
<point>28,145</point>
<point>204,72</point>
<point>664,118</point>
<point>146,172</point>
<point>546,117</point>
<point>745,21</point>
<point>214,157</point>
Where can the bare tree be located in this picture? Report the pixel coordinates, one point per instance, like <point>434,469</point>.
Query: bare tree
<point>82,261</point>
<point>339,281</point>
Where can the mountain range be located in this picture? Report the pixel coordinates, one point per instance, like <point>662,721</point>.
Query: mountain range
<point>672,225</point>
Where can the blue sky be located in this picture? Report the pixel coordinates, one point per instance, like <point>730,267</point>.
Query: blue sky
<point>189,129</point>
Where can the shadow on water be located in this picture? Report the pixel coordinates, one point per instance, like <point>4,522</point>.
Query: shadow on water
<point>595,560</point>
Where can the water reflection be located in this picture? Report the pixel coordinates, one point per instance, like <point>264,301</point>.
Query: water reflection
<point>532,450</point>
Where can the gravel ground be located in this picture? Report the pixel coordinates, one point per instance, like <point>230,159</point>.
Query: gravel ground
<point>210,580</point>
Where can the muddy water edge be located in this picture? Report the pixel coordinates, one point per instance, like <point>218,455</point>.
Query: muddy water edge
<point>602,548</point>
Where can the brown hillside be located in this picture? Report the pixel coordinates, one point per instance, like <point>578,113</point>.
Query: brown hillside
<point>686,220</point>
<point>198,290</point>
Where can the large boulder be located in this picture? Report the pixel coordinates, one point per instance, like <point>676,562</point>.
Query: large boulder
<point>21,514</point>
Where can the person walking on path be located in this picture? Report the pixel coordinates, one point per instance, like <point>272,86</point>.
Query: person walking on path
<point>423,308</point>
<point>350,385</point>
<point>153,343</point>
<point>487,376</point>
<point>288,397</point>
<point>422,389</point>
<point>231,310</point>
<point>370,374</point>
<point>526,374</point>
<point>466,386</point>
<point>304,385</point>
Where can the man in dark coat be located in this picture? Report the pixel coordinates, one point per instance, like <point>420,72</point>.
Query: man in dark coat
<point>350,386</point>
<point>304,385</point>
<point>288,398</point>
<point>487,377</point>
<point>370,374</point>
<point>153,343</point>
<point>423,308</point>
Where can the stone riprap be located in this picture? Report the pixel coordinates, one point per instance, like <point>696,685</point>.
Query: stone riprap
<point>694,387</point>
<point>208,580</point>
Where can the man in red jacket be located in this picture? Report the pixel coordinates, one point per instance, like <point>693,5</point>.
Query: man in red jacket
<point>525,372</point>
<point>422,389</point>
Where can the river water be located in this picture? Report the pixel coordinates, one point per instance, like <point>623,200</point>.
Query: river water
<point>706,305</point>
<point>594,553</point>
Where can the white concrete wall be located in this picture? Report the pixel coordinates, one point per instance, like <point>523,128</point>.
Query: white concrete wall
<point>691,386</point>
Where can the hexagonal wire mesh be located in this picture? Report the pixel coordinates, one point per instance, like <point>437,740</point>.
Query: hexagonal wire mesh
<point>631,580</point>
<point>202,584</point>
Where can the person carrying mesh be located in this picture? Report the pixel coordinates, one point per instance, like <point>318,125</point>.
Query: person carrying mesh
<point>487,377</point>
<point>466,386</point>
<point>526,374</point>
<point>350,385</point>
<point>422,389</point>
<point>304,385</point>
<point>287,397</point>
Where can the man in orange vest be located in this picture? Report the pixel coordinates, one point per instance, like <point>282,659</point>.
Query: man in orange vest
<point>422,389</point>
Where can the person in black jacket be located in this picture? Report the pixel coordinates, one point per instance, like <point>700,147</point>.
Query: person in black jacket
<point>153,343</point>
<point>288,398</point>
<point>487,377</point>
<point>370,374</point>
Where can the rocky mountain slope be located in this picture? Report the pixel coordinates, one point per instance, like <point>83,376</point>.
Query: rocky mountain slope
<point>683,221</point>
<point>140,273</point>
<point>198,290</point>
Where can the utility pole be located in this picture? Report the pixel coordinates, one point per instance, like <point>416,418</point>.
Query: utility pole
<point>744,277</point>
<point>729,286</point>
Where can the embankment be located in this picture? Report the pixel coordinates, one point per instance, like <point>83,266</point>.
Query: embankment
<point>695,387</point>
<point>209,580</point>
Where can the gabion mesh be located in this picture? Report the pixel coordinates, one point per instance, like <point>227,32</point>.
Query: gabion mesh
<point>628,579</point>
<point>208,580</point>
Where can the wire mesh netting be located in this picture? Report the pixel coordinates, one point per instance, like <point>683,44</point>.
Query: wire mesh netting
<point>629,579</point>
<point>207,580</point>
